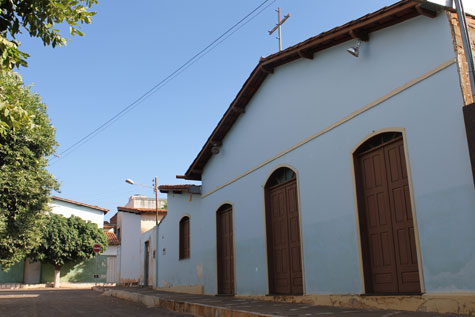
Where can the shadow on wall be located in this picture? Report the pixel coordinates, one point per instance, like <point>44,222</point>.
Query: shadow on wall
<point>78,272</point>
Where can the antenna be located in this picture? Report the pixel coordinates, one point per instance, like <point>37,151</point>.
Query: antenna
<point>278,26</point>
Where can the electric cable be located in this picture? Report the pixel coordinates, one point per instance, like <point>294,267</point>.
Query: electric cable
<point>233,29</point>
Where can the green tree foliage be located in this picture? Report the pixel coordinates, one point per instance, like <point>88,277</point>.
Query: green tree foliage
<point>26,140</point>
<point>67,240</point>
<point>40,18</point>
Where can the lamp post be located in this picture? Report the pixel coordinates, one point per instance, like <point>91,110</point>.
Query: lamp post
<point>155,189</point>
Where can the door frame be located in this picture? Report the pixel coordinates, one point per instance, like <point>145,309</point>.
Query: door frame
<point>264,204</point>
<point>216,245</point>
<point>412,200</point>
<point>146,263</point>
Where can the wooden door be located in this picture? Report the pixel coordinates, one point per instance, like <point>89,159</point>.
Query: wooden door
<point>225,252</point>
<point>283,239</point>
<point>145,263</point>
<point>387,227</point>
<point>111,276</point>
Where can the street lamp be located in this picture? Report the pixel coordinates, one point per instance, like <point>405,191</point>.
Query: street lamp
<point>155,189</point>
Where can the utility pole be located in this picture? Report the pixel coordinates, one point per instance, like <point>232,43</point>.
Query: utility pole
<point>155,189</point>
<point>279,27</point>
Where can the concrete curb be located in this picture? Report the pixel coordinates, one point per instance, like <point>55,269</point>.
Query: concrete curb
<point>16,286</point>
<point>178,306</point>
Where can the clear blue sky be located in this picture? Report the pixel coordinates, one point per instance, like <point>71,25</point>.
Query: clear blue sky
<point>130,47</point>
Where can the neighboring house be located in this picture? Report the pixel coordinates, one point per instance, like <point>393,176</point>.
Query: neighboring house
<point>331,176</point>
<point>112,253</point>
<point>68,208</point>
<point>135,223</point>
<point>99,269</point>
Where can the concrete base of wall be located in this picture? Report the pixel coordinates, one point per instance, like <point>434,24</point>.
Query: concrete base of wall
<point>20,286</point>
<point>187,289</point>
<point>46,285</point>
<point>456,303</point>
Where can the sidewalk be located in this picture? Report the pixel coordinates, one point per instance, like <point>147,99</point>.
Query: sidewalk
<point>228,306</point>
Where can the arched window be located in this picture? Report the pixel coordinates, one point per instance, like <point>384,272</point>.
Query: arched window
<point>184,252</point>
<point>280,176</point>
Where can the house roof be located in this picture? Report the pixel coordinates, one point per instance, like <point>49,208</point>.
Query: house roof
<point>190,188</point>
<point>80,204</point>
<point>112,238</point>
<point>107,225</point>
<point>356,29</point>
<point>113,220</point>
<point>140,211</point>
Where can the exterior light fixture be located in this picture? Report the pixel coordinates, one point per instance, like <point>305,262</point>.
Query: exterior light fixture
<point>216,147</point>
<point>355,50</point>
<point>155,189</point>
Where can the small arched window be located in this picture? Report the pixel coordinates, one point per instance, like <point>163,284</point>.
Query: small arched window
<point>280,176</point>
<point>184,244</point>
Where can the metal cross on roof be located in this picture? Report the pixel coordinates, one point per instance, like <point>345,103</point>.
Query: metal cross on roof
<point>279,27</point>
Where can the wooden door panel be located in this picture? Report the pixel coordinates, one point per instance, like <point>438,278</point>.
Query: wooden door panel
<point>225,252</point>
<point>285,267</point>
<point>403,223</point>
<point>380,246</point>
<point>389,246</point>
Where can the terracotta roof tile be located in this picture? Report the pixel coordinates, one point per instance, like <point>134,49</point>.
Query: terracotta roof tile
<point>180,188</point>
<point>107,225</point>
<point>111,238</point>
<point>113,219</point>
<point>80,204</point>
<point>141,210</point>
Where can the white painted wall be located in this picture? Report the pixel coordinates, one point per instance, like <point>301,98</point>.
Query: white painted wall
<point>187,272</point>
<point>306,96</point>
<point>150,237</point>
<point>112,250</point>
<point>68,209</point>
<point>139,201</point>
<point>149,221</point>
<point>129,225</point>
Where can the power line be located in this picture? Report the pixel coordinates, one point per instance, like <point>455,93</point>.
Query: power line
<point>233,29</point>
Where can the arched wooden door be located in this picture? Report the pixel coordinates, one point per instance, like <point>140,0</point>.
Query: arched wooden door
<point>385,216</point>
<point>225,252</point>
<point>283,234</point>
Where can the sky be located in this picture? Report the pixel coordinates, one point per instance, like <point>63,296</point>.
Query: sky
<point>129,49</point>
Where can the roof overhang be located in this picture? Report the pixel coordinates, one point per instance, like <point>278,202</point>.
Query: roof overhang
<point>104,210</point>
<point>142,211</point>
<point>180,189</point>
<point>356,29</point>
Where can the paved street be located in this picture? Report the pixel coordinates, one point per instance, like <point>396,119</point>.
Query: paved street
<point>74,302</point>
<point>65,302</point>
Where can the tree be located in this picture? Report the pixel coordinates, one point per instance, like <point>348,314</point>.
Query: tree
<point>40,19</point>
<point>67,240</point>
<point>26,140</point>
<point>26,136</point>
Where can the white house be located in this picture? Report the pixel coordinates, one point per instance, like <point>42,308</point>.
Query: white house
<point>136,223</point>
<point>332,176</point>
<point>68,208</point>
<point>87,271</point>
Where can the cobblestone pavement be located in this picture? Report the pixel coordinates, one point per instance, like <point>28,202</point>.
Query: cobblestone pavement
<point>68,302</point>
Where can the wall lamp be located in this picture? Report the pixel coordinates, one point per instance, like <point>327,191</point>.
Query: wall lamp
<point>355,50</point>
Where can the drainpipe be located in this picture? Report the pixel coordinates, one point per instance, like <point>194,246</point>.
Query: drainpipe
<point>466,44</point>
